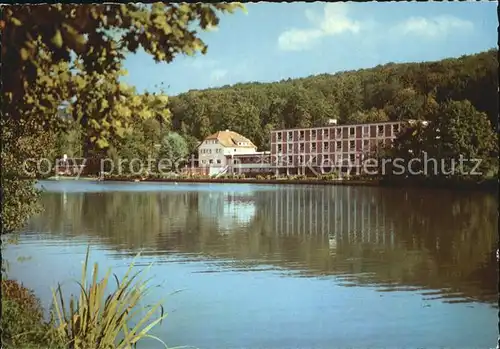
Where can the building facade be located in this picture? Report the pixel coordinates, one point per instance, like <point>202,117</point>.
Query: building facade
<point>332,146</point>
<point>216,150</point>
<point>259,162</point>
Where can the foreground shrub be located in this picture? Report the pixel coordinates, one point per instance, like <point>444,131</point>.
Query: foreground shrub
<point>329,176</point>
<point>22,323</point>
<point>98,321</point>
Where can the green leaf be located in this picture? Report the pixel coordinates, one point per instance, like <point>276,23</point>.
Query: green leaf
<point>16,21</point>
<point>24,54</point>
<point>57,39</point>
<point>102,143</point>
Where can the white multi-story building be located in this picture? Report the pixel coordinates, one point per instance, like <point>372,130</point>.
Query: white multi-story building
<point>216,150</point>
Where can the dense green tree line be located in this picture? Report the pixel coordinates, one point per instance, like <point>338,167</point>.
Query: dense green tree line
<point>457,95</point>
<point>388,92</point>
<point>458,145</point>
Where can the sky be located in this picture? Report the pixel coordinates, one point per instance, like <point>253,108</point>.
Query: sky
<point>275,41</point>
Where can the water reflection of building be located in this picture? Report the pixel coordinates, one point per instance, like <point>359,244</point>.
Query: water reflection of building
<point>337,212</point>
<point>230,210</point>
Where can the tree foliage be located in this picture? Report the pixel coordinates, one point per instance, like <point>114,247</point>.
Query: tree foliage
<point>73,53</point>
<point>388,92</point>
<point>458,131</point>
<point>173,149</point>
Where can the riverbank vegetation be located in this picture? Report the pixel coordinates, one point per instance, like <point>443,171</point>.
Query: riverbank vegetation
<point>61,66</point>
<point>22,322</point>
<point>95,319</point>
<point>459,146</point>
<point>101,321</point>
<point>487,185</point>
<point>387,92</point>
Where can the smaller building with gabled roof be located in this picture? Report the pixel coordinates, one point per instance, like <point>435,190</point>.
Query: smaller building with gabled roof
<point>216,149</point>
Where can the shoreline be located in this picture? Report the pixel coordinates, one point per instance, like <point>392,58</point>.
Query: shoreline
<point>488,186</point>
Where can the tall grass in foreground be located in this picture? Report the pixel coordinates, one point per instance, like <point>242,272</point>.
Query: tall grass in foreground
<point>97,321</point>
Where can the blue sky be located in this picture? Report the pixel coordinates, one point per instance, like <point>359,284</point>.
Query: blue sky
<point>275,41</point>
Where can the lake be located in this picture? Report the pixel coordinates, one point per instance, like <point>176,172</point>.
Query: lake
<point>281,266</point>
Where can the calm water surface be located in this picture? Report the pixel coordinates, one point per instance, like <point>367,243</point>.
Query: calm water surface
<point>281,267</point>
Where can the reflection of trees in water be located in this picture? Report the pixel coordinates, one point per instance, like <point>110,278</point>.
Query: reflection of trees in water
<point>457,231</point>
<point>454,228</point>
<point>415,237</point>
<point>424,239</point>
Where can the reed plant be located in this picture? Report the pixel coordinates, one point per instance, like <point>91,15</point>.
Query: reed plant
<point>98,320</point>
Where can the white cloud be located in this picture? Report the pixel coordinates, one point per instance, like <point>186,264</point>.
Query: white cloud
<point>299,39</point>
<point>334,21</point>
<point>433,27</point>
<point>218,74</point>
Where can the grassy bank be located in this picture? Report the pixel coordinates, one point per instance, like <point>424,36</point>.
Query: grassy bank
<point>22,321</point>
<point>95,319</point>
<point>490,185</point>
<point>250,180</point>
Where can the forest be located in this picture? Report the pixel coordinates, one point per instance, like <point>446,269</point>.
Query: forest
<point>456,89</point>
<point>387,92</point>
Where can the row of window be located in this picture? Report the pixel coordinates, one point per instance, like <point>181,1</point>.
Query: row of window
<point>326,146</point>
<point>338,132</point>
<point>211,161</point>
<point>215,141</point>
<point>209,151</point>
<point>322,159</point>
<point>303,159</point>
